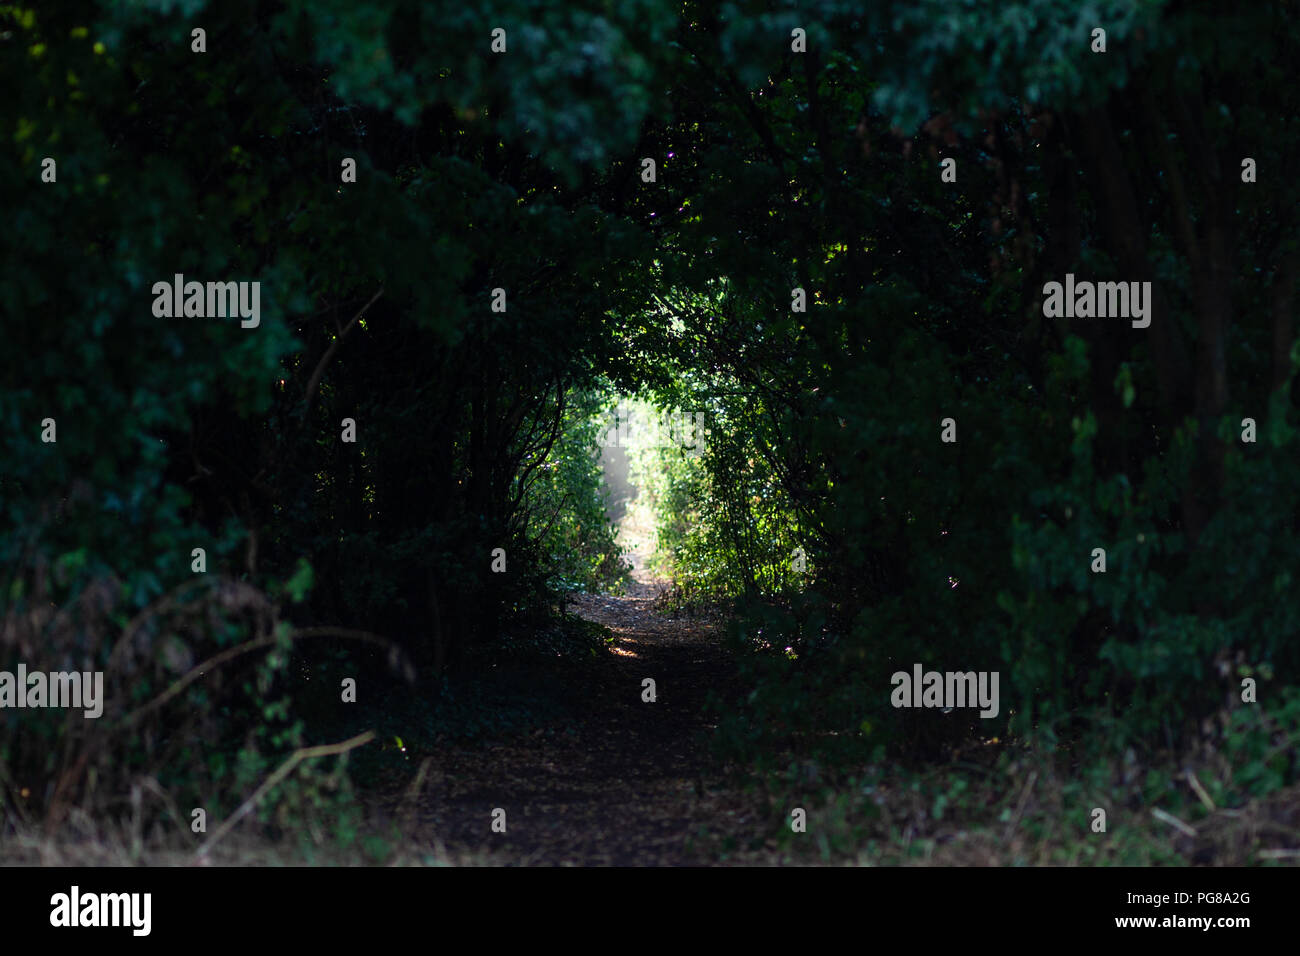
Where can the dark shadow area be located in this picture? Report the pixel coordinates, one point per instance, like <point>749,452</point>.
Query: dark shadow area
<point>960,528</point>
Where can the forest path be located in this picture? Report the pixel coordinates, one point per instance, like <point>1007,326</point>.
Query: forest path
<point>625,782</point>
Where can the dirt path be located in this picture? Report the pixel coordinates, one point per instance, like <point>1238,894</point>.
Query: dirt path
<point>628,783</point>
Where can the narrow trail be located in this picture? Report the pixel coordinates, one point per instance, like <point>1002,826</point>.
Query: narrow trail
<point>627,783</point>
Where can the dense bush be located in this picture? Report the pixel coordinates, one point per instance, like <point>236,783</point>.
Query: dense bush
<point>502,262</point>
<point>473,427</point>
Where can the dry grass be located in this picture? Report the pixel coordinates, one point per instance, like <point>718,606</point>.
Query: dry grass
<point>83,843</point>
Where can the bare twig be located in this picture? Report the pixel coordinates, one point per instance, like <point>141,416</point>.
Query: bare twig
<point>240,649</point>
<point>313,383</point>
<point>1200,791</point>
<point>1173,821</point>
<point>303,753</point>
<point>1020,807</point>
<point>413,794</point>
<point>1278,854</point>
<point>194,674</point>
